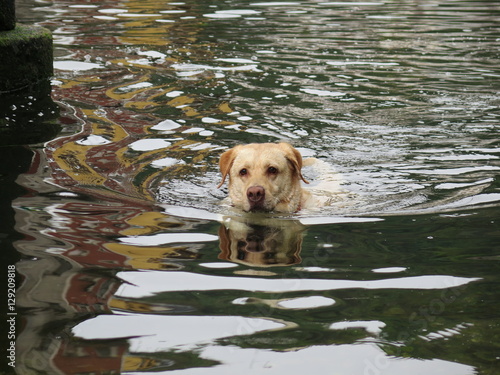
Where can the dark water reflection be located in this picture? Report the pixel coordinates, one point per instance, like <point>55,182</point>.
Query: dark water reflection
<point>128,264</point>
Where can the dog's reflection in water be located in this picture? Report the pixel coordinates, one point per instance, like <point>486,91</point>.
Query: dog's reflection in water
<point>261,245</point>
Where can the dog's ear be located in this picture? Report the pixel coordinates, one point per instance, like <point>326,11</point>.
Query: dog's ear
<point>294,158</point>
<point>225,162</point>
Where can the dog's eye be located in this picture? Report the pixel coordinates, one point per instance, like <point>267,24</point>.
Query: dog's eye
<point>272,170</point>
<point>243,172</point>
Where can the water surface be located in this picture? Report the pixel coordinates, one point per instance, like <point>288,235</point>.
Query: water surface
<point>130,265</point>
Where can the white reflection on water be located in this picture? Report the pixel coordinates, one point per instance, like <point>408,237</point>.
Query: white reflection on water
<point>112,11</point>
<point>75,65</point>
<point>471,201</point>
<point>166,162</point>
<point>157,331</point>
<point>274,3</point>
<point>164,238</point>
<point>189,70</point>
<point>323,92</point>
<point>166,125</point>
<point>373,327</point>
<point>389,269</point>
<point>451,185</point>
<point>306,302</point>
<point>163,333</point>
<point>351,4</point>
<point>340,359</point>
<point>232,13</point>
<point>149,144</point>
<point>144,284</point>
<point>93,140</point>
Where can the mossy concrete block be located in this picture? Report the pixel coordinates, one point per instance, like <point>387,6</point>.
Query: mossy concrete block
<point>7,15</point>
<point>26,57</point>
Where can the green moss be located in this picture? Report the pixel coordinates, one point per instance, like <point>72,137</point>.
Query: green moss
<point>23,33</point>
<point>27,57</point>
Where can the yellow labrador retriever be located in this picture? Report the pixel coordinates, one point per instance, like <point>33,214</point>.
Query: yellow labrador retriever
<point>265,177</point>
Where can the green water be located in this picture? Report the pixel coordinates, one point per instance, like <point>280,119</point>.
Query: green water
<point>126,262</point>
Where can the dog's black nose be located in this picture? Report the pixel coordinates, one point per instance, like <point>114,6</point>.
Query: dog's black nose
<point>256,195</point>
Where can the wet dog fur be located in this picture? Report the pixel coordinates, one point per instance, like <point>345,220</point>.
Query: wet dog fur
<point>265,177</point>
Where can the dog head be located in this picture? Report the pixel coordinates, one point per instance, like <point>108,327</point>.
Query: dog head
<point>263,176</point>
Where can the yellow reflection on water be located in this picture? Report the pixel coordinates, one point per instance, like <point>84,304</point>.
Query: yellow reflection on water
<point>119,102</point>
